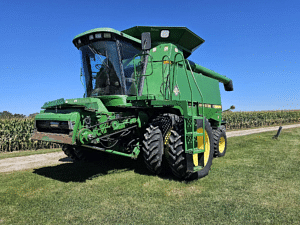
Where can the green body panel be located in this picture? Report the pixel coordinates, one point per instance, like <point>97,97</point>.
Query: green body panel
<point>163,74</point>
<point>88,103</point>
<point>115,100</point>
<point>208,86</point>
<point>172,84</point>
<point>186,110</point>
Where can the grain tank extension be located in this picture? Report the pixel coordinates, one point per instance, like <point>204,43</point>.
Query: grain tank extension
<point>143,98</point>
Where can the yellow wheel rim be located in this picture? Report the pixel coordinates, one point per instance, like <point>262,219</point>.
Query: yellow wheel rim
<point>195,159</point>
<point>200,146</point>
<point>222,145</point>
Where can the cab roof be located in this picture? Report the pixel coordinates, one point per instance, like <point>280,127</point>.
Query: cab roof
<point>181,36</point>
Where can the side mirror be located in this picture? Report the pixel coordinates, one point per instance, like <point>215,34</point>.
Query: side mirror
<point>146,41</point>
<point>231,107</point>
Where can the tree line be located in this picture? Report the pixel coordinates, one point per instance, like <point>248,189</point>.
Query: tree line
<point>9,115</point>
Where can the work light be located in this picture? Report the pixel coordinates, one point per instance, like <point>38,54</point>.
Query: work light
<point>164,33</point>
<point>107,35</point>
<point>98,35</point>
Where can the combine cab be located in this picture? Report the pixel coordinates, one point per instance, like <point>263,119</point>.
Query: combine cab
<point>142,96</point>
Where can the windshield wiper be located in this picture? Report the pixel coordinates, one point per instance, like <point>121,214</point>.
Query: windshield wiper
<point>93,50</point>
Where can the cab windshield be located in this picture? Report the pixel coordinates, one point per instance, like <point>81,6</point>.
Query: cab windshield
<point>108,68</point>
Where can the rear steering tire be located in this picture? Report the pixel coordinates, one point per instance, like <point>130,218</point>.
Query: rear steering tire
<point>220,141</point>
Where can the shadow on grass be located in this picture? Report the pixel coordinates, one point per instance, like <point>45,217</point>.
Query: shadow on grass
<point>82,171</point>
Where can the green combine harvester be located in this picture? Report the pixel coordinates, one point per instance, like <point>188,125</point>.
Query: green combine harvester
<point>142,96</point>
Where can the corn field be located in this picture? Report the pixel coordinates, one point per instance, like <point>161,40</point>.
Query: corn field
<point>240,120</point>
<point>15,133</point>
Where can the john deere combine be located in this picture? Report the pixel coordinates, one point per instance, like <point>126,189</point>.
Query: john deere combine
<point>142,96</point>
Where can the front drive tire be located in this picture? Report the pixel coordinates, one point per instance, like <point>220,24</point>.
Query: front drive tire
<point>153,147</point>
<point>220,141</point>
<point>177,157</point>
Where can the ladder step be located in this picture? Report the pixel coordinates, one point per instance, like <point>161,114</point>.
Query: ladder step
<point>195,134</point>
<point>193,151</point>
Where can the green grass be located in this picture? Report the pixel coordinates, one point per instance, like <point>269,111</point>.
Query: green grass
<point>257,182</point>
<point>4,155</point>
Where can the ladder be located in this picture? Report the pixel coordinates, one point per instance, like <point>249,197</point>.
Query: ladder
<point>190,121</point>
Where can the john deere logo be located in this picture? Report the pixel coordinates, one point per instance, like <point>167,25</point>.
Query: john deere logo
<point>176,90</point>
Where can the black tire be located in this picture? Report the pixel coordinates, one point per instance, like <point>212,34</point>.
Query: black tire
<point>153,147</point>
<point>69,151</point>
<point>88,155</point>
<point>177,157</point>
<point>220,141</point>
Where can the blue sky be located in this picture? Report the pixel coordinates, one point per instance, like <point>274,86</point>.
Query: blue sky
<point>255,43</point>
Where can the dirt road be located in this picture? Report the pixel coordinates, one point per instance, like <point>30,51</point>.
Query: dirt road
<point>33,161</point>
<point>40,160</point>
<point>258,130</point>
